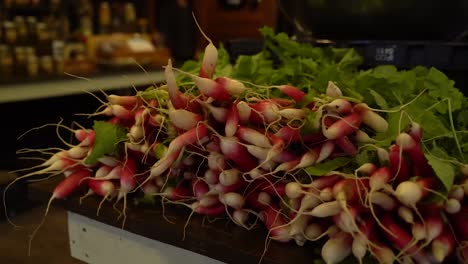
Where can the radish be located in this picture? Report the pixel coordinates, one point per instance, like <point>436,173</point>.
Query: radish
<point>229,177</point>
<point>379,178</point>
<point>443,245</point>
<point>346,145</point>
<point>383,200</point>
<point>232,199</point>
<point>264,112</point>
<point>209,87</point>
<point>240,217</point>
<point>325,151</point>
<point>409,193</point>
<point>326,209</point>
<point>183,119</point>
<point>370,118</point>
<point>210,56</point>
<point>123,100</point>
<point>244,111</point>
<point>253,137</point>
<point>289,134</point>
<point>293,92</point>
<point>215,210</point>
<point>234,87</point>
<point>232,121</point>
<point>398,164</point>
<point>406,214</point>
<point>413,149</point>
<point>363,138</point>
<point>339,106</point>
<point>192,136</point>
<point>337,248</point>
<point>415,131</point>
<point>333,90</point>
<point>275,223</point>
<point>452,206</point>
<point>234,151</point>
<point>343,127</point>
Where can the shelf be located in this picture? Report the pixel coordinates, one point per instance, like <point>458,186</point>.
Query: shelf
<point>10,93</point>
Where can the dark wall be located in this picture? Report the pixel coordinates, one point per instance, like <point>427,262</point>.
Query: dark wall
<point>22,116</point>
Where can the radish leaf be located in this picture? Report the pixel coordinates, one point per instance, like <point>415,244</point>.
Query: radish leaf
<point>108,137</point>
<point>327,166</point>
<point>443,168</point>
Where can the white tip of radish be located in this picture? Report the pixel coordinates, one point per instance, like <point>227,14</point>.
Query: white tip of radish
<point>406,214</point>
<point>293,190</point>
<point>408,193</point>
<point>240,217</point>
<point>452,206</point>
<point>337,248</point>
<point>333,90</point>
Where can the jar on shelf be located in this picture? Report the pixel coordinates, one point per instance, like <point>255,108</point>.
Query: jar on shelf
<point>43,39</point>
<point>21,30</point>
<point>46,65</point>
<point>9,33</point>
<point>105,17</point>
<point>32,63</point>
<point>20,60</point>
<point>31,23</point>
<point>6,62</point>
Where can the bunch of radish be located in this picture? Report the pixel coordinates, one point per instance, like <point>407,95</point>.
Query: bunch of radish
<point>221,148</point>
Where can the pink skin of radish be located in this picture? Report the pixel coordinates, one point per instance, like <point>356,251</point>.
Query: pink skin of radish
<point>264,112</point>
<point>102,188</point>
<point>234,151</point>
<point>258,200</point>
<point>215,210</point>
<point>346,145</point>
<point>232,121</point>
<point>127,177</point>
<point>398,164</point>
<point>102,171</point>
<point>371,118</point>
<point>190,137</point>
<point>342,127</point>
<point>415,154</point>
<point>289,134</point>
<point>415,131</point>
<point>401,239</point>
<point>200,188</point>
<point>337,248</point>
<point>86,137</point>
<point>211,88</point>
<point>275,224</point>
<point>184,119</point>
<point>252,136</point>
<point>293,92</point>
<point>443,245</point>
<point>379,178</point>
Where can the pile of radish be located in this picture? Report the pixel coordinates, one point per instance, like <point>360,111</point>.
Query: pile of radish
<point>222,148</point>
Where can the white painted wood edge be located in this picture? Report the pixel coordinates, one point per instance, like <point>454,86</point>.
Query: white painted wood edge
<point>98,243</point>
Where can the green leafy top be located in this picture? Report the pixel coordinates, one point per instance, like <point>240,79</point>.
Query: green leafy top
<point>107,141</point>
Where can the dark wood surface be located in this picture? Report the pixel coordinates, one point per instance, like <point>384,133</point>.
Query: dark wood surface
<point>220,239</point>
